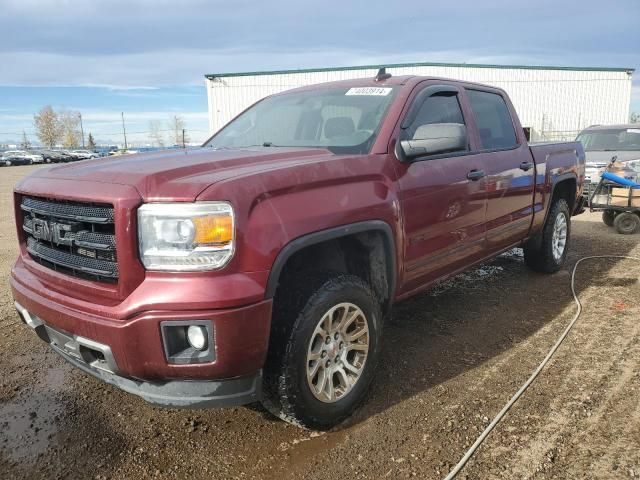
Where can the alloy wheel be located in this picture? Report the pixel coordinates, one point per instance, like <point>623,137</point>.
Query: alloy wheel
<point>337,352</point>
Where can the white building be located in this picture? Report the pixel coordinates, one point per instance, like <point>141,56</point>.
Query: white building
<point>554,102</point>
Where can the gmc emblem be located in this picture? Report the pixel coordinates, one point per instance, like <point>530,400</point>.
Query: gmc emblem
<point>52,231</point>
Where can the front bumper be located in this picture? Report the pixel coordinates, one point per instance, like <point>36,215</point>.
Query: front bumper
<point>128,351</point>
<point>97,359</point>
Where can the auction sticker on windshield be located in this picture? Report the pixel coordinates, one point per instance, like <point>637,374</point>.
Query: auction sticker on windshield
<point>378,91</point>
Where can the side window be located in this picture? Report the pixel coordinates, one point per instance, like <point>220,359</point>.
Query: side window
<point>437,109</point>
<point>493,119</point>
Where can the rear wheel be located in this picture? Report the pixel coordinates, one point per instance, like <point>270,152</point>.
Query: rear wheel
<point>547,251</point>
<point>323,352</point>
<point>608,216</point>
<point>627,223</point>
<point>7,163</point>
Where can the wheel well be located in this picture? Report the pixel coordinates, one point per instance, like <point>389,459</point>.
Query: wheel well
<point>364,254</point>
<point>566,189</point>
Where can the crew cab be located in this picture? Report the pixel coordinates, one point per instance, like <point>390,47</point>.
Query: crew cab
<point>263,266</point>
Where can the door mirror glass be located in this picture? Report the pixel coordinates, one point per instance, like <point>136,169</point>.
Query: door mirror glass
<point>437,138</point>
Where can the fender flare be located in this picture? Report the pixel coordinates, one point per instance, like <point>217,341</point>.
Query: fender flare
<point>331,234</point>
<point>554,183</point>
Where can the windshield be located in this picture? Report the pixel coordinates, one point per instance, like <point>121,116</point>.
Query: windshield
<point>343,120</point>
<point>615,139</point>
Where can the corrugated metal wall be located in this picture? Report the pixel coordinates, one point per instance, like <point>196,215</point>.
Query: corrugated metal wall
<point>555,103</point>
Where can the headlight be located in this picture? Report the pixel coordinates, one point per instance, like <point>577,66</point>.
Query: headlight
<point>185,236</point>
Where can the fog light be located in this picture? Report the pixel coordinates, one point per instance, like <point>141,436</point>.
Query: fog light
<point>197,337</point>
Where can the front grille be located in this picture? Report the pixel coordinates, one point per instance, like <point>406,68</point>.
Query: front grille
<point>74,238</point>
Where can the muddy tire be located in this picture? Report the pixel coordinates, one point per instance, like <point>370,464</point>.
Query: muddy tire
<point>627,223</point>
<point>547,251</point>
<point>323,351</point>
<point>608,216</point>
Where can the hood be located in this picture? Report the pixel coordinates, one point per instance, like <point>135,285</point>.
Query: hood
<point>600,157</point>
<point>181,175</point>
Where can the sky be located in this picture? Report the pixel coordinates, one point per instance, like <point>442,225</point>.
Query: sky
<point>148,58</point>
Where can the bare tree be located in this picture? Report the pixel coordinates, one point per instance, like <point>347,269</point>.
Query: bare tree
<point>155,132</point>
<point>91,143</point>
<point>177,126</point>
<point>25,144</point>
<point>48,127</point>
<point>70,124</point>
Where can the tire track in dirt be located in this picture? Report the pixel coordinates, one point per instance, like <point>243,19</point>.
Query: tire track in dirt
<point>540,450</point>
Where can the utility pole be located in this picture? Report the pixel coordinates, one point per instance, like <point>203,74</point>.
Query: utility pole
<point>81,129</point>
<point>124,132</point>
<point>183,144</point>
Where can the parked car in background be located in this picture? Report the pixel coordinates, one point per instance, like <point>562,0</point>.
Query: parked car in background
<point>116,153</point>
<point>71,156</point>
<point>85,154</point>
<point>35,157</point>
<point>15,157</point>
<point>50,156</point>
<point>58,157</point>
<point>65,156</point>
<point>602,142</point>
<point>19,157</point>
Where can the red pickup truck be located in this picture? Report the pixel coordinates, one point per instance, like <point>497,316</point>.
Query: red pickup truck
<point>263,266</point>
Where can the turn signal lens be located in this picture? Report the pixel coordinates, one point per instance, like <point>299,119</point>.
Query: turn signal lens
<point>213,229</point>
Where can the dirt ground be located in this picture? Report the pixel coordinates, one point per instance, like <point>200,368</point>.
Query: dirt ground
<point>452,358</point>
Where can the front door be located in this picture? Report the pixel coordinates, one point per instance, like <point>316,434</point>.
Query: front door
<point>443,198</point>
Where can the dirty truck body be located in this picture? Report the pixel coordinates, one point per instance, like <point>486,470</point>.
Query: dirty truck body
<point>262,266</point>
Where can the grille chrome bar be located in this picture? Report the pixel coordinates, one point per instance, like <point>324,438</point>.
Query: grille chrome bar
<point>87,265</point>
<point>83,238</point>
<point>74,238</point>
<point>69,210</point>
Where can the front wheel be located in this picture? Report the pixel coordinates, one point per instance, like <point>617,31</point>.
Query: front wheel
<point>547,251</point>
<point>323,352</point>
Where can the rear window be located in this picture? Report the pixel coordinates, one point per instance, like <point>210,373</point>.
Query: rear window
<point>493,119</point>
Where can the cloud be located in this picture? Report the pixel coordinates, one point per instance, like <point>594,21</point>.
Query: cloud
<point>149,43</point>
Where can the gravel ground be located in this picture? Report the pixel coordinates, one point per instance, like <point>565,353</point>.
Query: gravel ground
<point>452,357</point>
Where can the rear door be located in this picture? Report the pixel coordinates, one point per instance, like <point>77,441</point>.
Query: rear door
<point>443,203</point>
<point>509,167</point>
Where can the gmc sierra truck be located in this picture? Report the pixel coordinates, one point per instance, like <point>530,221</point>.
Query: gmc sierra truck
<point>262,266</point>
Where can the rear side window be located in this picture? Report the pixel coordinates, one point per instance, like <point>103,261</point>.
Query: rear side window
<point>493,120</point>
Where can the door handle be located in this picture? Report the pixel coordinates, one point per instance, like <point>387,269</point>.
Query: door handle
<point>476,175</point>
<point>526,166</point>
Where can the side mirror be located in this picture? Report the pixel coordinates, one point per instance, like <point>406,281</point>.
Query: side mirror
<point>435,138</point>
